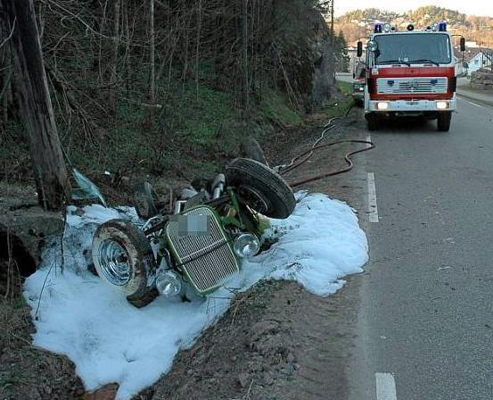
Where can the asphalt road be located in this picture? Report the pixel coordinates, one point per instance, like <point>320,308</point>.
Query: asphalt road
<point>425,324</point>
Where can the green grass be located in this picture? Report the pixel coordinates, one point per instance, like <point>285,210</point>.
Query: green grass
<point>340,103</point>
<point>345,87</point>
<point>275,108</point>
<point>195,128</point>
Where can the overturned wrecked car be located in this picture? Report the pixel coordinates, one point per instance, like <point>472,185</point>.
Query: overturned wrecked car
<point>189,245</point>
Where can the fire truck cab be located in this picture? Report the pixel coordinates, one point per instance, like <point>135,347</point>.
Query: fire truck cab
<point>410,74</point>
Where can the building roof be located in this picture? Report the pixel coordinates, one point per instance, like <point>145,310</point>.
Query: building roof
<point>471,53</point>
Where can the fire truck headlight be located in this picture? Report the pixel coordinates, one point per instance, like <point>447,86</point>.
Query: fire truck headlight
<point>442,105</point>
<point>382,105</point>
<point>372,45</point>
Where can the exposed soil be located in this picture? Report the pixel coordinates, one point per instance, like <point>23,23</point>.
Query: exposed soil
<point>277,341</point>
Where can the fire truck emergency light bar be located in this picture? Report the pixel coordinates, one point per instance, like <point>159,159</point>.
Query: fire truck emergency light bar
<point>386,28</point>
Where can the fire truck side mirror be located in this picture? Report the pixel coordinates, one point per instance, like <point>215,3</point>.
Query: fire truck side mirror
<point>462,44</point>
<point>359,49</point>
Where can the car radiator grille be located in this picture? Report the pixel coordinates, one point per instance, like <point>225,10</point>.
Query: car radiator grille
<point>411,85</point>
<point>205,258</point>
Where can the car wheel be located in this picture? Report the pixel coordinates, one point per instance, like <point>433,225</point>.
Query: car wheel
<point>260,188</point>
<point>123,258</point>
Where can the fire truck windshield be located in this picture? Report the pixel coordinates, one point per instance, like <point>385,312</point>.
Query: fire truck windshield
<point>413,48</point>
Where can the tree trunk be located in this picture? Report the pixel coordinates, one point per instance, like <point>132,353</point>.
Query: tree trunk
<point>114,61</point>
<point>244,55</point>
<point>152,61</point>
<point>152,55</point>
<point>50,172</point>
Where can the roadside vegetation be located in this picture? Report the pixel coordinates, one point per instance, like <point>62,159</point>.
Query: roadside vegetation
<point>161,88</point>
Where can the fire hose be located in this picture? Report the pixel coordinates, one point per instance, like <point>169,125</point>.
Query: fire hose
<point>284,169</point>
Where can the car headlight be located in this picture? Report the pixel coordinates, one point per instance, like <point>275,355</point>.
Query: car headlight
<point>382,105</point>
<point>246,245</point>
<point>168,283</point>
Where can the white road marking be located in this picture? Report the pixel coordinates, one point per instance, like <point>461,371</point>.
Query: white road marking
<point>385,386</point>
<point>470,102</point>
<point>372,198</point>
<point>368,138</point>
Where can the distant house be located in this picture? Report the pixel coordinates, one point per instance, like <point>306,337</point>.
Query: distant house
<point>479,58</point>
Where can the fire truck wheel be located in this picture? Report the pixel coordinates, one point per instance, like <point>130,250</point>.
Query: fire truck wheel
<point>260,188</point>
<point>124,259</point>
<point>443,121</point>
<point>371,122</point>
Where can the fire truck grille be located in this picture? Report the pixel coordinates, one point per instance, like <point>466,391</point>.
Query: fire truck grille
<point>411,86</point>
<point>201,248</point>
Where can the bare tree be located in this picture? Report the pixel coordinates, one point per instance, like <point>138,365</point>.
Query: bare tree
<point>244,53</point>
<point>35,105</point>
<point>152,54</point>
<point>114,61</point>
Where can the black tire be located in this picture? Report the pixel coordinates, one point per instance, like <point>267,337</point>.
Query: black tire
<point>124,259</point>
<point>145,200</point>
<point>371,122</point>
<point>260,188</point>
<point>443,121</point>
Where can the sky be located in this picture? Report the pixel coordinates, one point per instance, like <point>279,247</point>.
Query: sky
<point>109,340</point>
<point>472,7</point>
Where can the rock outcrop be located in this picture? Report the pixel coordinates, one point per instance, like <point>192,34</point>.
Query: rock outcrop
<point>482,79</point>
<point>25,228</point>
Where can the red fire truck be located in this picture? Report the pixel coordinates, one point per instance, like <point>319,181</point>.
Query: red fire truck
<point>410,74</point>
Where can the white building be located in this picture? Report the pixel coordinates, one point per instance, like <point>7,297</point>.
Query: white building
<point>481,59</point>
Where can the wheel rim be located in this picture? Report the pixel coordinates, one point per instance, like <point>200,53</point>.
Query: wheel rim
<point>114,263</point>
<point>254,199</point>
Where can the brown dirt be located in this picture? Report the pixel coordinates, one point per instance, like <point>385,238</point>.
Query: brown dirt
<point>277,341</point>
<point>27,372</point>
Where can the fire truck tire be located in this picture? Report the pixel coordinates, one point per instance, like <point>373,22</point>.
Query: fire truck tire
<point>371,122</point>
<point>260,188</point>
<point>443,121</point>
<point>123,258</point>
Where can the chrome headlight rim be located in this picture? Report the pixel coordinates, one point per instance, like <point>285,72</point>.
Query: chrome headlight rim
<point>247,241</point>
<point>168,283</point>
